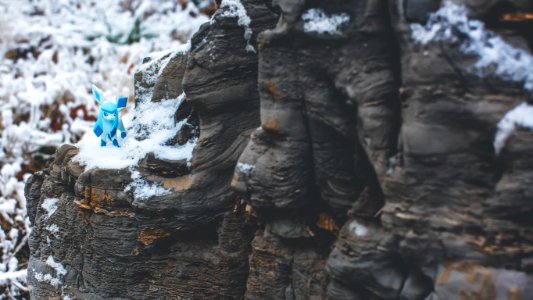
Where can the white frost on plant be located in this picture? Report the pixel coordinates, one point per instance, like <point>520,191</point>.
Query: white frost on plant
<point>20,274</point>
<point>358,229</point>
<point>143,189</point>
<point>316,20</point>
<point>50,206</point>
<point>495,57</point>
<point>155,125</point>
<point>234,8</point>
<point>245,168</point>
<point>520,116</point>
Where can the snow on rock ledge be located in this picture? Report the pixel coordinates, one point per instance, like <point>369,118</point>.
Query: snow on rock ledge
<point>156,122</point>
<point>495,56</point>
<point>520,116</point>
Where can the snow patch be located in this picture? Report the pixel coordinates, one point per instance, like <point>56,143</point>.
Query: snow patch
<point>358,229</point>
<point>317,21</point>
<point>520,116</point>
<point>234,8</point>
<point>58,268</point>
<point>47,278</point>
<point>50,206</point>
<point>143,189</point>
<point>154,125</point>
<point>245,168</point>
<point>495,57</point>
<point>154,65</point>
<point>53,229</point>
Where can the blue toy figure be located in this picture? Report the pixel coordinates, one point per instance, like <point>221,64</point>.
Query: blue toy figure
<point>109,121</point>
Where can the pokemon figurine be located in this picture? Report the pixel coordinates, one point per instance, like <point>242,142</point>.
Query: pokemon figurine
<point>109,121</point>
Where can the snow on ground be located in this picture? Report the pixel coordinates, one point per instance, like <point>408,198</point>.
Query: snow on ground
<point>495,57</point>
<point>316,20</point>
<point>51,51</point>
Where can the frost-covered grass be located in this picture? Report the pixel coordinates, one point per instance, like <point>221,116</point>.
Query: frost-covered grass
<point>495,58</point>
<point>51,51</point>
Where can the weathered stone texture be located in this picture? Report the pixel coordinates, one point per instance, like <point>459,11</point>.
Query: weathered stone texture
<point>353,165</point>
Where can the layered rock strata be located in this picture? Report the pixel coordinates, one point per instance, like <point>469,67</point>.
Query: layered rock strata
<point>345,151</point>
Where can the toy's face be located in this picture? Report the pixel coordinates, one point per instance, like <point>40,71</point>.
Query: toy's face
<point>109,111</point>
<point>108,116</point>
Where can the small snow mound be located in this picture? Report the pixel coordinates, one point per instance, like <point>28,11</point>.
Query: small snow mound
<point>358,229</point>
<point>50,206</point>
<point>245,168</point>
<point>520,116</point>
<point>317,21</point>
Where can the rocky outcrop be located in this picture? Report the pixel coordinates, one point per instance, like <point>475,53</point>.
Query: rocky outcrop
<point>345,151</point>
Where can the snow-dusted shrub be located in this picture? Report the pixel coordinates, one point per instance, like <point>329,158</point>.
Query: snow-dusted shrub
<point>51,52</point>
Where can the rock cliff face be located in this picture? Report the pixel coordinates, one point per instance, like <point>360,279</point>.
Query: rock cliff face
<point>345,151</point>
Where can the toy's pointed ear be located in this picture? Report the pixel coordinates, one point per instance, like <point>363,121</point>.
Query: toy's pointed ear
<point>97,94</point>
<point>121,103</point>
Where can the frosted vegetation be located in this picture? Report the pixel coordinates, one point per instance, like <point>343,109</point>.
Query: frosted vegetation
<point>51,51</point>
<point>495,57</point>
